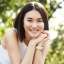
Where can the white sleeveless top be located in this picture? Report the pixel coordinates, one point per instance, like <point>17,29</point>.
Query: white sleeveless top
<point>4,58</point>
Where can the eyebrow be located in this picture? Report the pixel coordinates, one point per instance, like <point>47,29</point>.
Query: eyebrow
<point>31,18</point>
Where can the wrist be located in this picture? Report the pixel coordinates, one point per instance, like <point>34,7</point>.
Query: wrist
<point>32,43</point>
<point>39,48</point>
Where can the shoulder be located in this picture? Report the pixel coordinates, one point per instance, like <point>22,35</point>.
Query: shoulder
<point>12,32</point>
<point>10,35</point>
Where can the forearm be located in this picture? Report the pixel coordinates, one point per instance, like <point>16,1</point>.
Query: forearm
<point>40,55</point>
<point>14,53</point>
<point>28,58</point>
<point>38,59</point>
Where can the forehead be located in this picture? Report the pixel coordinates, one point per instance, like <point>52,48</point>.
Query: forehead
<point>33,14</point>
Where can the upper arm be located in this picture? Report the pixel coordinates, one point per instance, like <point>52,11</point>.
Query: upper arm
<point>11,41</point>
<point>10,38</point>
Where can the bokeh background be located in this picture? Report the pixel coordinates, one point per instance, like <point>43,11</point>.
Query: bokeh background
<point>55,9</point>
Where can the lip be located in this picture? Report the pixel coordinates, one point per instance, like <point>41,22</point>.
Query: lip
<point>34,31</point>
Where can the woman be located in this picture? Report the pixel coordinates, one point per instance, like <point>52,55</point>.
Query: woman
<point>28,42</point>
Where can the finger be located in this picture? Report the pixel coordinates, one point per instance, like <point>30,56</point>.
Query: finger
<point>43,42</point>
<point>39,39</point>
<point>46,32</point>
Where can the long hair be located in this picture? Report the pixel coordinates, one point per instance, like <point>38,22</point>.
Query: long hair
<point>19,21</point>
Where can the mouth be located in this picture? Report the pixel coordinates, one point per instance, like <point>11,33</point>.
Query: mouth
<point>34,31</point>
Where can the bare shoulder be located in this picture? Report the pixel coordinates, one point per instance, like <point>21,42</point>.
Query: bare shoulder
<point>10,38</point>
<point>10,33</point>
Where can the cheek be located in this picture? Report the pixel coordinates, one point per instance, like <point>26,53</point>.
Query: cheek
<point>26,25</point>
<point>41,25</point>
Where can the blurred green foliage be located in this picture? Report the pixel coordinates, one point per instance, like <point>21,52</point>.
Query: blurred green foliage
<point>56,54</point>
<point>8,11</point>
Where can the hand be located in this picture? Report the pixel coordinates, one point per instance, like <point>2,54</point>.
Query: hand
<point>41,38</point>
<point>44,41</point>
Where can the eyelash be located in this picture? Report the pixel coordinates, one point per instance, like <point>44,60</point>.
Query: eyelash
<point>29,20</point>
<point>37,20</point>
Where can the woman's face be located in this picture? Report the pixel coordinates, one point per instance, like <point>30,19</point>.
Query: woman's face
<point>33,24</point>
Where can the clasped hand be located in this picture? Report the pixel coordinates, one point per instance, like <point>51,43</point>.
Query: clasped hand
<point>40,41</point>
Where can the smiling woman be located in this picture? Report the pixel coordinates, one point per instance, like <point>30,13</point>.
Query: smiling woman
<point>33,24</point>
<point>28,41</point>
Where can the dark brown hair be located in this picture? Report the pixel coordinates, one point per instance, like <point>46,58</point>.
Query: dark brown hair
<point>19,23</point>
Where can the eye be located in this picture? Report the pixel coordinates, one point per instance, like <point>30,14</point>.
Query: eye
<point>40,21</point>
<point>29,20</point>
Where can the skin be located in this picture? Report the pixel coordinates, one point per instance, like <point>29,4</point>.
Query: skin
<point>33,25</point>
<point>34,28</point>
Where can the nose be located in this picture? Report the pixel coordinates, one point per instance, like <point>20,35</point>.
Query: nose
<point>34,25</point>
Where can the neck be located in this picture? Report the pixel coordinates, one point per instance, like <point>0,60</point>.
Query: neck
<point>26,40</point>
